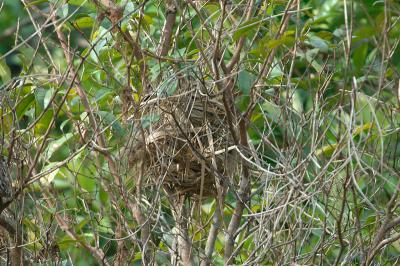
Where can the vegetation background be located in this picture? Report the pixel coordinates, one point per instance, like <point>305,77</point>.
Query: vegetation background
<point>185,132</point>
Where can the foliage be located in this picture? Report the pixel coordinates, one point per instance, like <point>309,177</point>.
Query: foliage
<point>284,115</point>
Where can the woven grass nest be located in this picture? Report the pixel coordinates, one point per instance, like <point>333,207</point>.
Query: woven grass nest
<point>189,128</point>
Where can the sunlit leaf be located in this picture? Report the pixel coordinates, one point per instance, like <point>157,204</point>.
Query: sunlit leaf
<point>84,22</point>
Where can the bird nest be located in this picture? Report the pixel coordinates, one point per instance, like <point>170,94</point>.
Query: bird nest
<point>180,142</point>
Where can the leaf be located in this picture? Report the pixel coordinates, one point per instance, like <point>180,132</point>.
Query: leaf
<point>276,71</point>
<point>310,56</point>
<point>284,40</point>
<point>213,10</point>
<point>66,242</point>
<point>99,39</point>
<point>86,4</point>
<point>81,224</point>
<point>129,10</point>
<point>148,19</point>
<point>86,179</point>
<point>56,145</point>
<point>167,88</point>
<point>102,94</point>
<point>358,130</point>
<point>62,11</point>
<point>273,110</point>
<point>208,206</point>
<point>24,104</point>
<point>48,179</point>
<point>297,102</point>
<point>161,258</point>
<point>39,96</point>
<point>84,22</point>
<point>37,2</point>
<point>44,122</point>
<point>105,226</point>
<point>47,97</point>
<point>319,43</point>
<point>63,124</point>
<point>110,120</point>
<point>5,72</point>
<point>327,150</point>
<point>364,33</point>
<point>246,28</point>
<point>60,184</point>
<point>360,55</point>
<point>246,81</point>
<point>104,197</point>
<point>325,35</point>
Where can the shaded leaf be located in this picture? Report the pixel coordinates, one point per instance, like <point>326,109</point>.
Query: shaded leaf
<point>246,81</point>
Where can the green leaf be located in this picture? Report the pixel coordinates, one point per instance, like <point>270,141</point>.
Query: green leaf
<point>56,146</point>
<point>310,56</point>
<point>86,180</point>
<point>129,11</point>
<point>246,28</point>
<point>360,55</point>
<point>48,179</point>
<point>66,242</point>
<point>83,3</point>
<point>62,11</point>
<point>110,120</point>
<point>40,94</point>
<point>102,94</point>
<point>364,33</point>
<point>60,183</point>
<point>5,73</point>
<point>167,88</point>
<point>104,197</point>
<point>273,110</point>
<point>47,97</point>
<point>284,40</point>
<point>44,122</point>
<point>208,206</point>
<point>81,224</point>
<point>105,225</point>
<point>319,43</point>
<point>84,22</point>
<point>297,102</point>
<point>63,124</point>
<point>246,81</point>
<point>24,104</point>
<point>327,150</point>
<point>161,258</point>
<point>37,2</point>
<point>213,10</point>
<point>325,35</point>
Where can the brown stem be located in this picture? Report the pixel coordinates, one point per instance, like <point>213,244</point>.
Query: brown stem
<point>340,218</point>
<point>183,254</point>
<point>212,236</point>
<point>239,46</point>
<point>243,197</point>
<point>166,36</point>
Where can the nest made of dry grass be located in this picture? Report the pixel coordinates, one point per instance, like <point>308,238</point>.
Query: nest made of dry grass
<point>181,143</point>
